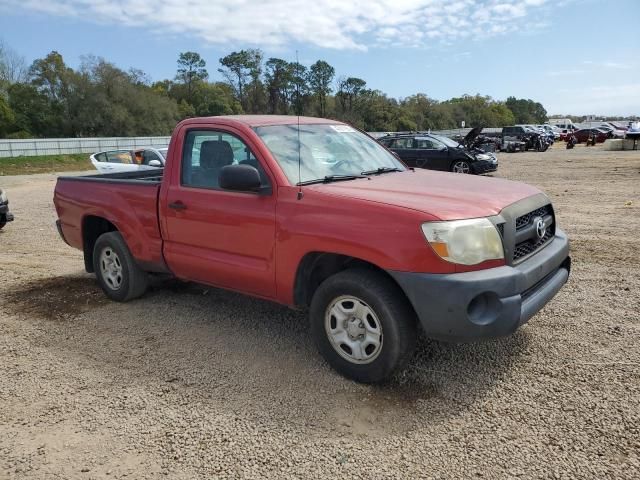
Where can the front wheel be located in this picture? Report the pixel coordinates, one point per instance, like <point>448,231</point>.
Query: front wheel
<point>363,325</point>
<point>117,272</point>
<point>461,166</point>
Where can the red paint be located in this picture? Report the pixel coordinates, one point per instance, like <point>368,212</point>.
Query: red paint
<point>254,243</point>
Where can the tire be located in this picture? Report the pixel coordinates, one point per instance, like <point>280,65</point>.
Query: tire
<point>371,298</point>
<point>461,166</point>
<point>2,224</point>
<point>117,273</point>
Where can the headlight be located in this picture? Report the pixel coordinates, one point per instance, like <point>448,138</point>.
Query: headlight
<point>466,242</point>
<point>3,197</point>
<point>483,156</point>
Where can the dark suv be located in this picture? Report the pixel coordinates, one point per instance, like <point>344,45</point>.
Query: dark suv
<point>5,215</point>
<point>435,152</point>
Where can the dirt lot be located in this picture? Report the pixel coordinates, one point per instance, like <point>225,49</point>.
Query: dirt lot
<point>190,382</point>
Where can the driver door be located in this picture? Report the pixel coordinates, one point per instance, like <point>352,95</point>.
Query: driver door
<point>215,236</point>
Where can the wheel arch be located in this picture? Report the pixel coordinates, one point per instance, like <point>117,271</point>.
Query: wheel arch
<point>92,227</point>
<point>315,267</point>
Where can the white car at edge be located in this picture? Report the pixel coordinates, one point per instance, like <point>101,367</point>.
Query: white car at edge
<point>115,161</point>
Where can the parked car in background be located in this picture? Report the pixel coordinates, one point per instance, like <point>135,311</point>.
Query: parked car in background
<point>435,152</point>
<point>513,139</point>
<point>478,142</point>
<point>612,132</point>
<point>566,133</point>
<point>615,126</point>
<point>539,138</point>
<point>633,131</point>
<point>312,213</point>
<point>5,215</point>
<point>525,137</point>
<point>550,130</point>
<point>583,134</point>
<point>563,124</point>
<point>114,161</point>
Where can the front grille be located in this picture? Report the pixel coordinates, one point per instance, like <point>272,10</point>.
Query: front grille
<point>527,240</point>
<point>525,248</point>
<point>525,219</point>
<point>500,227</point>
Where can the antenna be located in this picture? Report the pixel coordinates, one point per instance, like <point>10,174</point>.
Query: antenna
<point>300,194</point>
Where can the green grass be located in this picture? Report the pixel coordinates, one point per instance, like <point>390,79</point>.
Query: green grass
<point>45,164</point>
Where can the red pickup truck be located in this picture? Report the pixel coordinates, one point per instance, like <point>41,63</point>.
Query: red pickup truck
<point>315,214</point>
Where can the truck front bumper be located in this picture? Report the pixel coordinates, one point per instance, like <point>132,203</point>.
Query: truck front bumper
<point>487,303</point>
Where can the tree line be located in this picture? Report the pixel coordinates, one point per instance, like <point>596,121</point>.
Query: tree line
<point>51,99</point>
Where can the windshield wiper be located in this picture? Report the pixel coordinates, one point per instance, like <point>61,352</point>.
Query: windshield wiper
<point>331,178</point>
<point>380,170</point>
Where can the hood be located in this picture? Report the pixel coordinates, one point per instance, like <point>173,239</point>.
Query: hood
<point>472,135</point>
<point>446,196</point>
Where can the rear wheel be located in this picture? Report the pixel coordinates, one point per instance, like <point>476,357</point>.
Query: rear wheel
<point>363,325</point>
<point>117,273</point>
<point>461,166</point>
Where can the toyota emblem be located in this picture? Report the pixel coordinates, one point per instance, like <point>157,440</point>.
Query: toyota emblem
<point>541,228</point>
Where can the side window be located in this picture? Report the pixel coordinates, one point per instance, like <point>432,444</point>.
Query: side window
<point>101,157</point>
<point>427,143</point>
<point>206,152</point>
<point>119,156</point>
<point>402,143</point>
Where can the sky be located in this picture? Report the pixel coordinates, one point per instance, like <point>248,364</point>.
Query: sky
<point>575,57</point>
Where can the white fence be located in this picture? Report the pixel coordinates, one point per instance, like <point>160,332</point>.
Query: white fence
<point>57,146</point>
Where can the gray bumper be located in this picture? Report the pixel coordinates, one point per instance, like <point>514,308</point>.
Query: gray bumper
<point>487,303</point>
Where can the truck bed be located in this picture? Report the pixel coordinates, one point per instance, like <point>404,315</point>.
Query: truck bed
<point>127,200</point>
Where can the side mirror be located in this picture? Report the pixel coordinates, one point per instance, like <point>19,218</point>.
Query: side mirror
<point>155,163</point>
<point>243,178</point>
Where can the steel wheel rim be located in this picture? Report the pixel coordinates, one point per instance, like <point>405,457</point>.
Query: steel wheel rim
<point>461,167</point>
<point>353,330</point>
<point>111,268</point>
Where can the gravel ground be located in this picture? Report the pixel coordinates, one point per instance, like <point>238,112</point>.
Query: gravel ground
<point>189,382</point>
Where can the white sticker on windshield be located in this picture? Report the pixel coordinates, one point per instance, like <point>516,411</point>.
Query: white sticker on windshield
<point>343,128</point>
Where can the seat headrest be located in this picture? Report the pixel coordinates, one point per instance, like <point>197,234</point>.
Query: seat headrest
<point>215,154</point>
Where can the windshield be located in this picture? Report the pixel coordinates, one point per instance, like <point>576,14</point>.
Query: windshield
<point>325,150</point>
<point>447,141</point>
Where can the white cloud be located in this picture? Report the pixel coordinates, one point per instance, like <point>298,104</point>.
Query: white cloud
<point>337,24</point>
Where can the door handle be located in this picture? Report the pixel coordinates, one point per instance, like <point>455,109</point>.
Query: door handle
<point>178,205</point>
